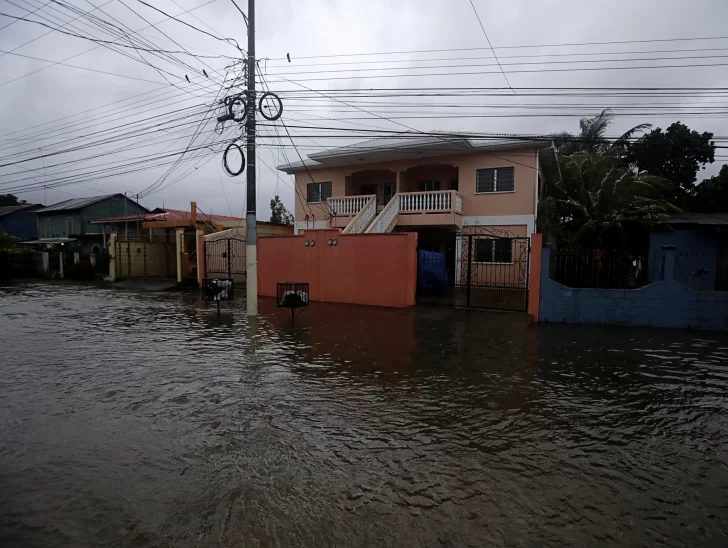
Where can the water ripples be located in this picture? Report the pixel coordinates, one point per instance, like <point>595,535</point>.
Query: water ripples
<point>140,419</point>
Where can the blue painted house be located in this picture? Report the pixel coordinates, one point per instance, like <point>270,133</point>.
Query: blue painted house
<point>71,221</point>
<point>701,250</point>
<point>20,221</point>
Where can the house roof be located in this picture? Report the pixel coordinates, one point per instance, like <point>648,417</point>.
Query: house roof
<point>7,210</point>
<point>708,219</point>
<point>166,214</point>
<point>77,203</point>
<point>406,146</point>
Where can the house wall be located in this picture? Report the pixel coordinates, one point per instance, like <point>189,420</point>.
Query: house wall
<point>665,303</point>
<point>697,257</point>
<point>369,269</point>
<point>22,224</point>
<point>54,224</point>
<point>520,202</point>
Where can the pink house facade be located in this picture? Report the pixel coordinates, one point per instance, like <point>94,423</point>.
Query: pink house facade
<point>441,186</point>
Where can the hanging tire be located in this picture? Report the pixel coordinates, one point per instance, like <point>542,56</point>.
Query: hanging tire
<point>225,160</point>
<point>277,100</point>
<point>231,108</point>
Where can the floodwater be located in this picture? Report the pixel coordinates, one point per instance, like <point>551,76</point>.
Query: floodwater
<point>141,419</point>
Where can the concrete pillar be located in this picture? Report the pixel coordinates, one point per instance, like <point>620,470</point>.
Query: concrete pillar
<point>534,275</point>
<point>60,263</point>
<point>179,239</point>
<point>670,254</point>
<point>76,257</point>
<point>46,262</point>
<point>112,257</point>
<point>92,259</point>
<point>200,256</point>
<point>545,264</point>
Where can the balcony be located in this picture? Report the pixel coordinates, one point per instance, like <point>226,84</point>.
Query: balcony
<point>433,208</point>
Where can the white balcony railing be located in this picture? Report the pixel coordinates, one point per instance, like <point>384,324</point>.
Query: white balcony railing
<point>362,219</point>
<point>348,205</point>
<point>433,201</point>
<point>387,218</point>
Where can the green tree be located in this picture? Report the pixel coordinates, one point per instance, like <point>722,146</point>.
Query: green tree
<point>600,202</point>
<point>279,215</point>
<point>675,154</point>
<point>10,200</point>
<point>712,194</point>
<point>592,137</point>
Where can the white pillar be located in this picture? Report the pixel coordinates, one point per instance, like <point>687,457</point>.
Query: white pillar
<point>46,263</point>
<point>60,262</point>
<point>112,257</point>
<point>76,257</point>
<point>180,249</point>
<point>200,258</point>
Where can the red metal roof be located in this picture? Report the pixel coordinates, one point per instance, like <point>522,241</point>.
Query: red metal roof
<point>167,214</point>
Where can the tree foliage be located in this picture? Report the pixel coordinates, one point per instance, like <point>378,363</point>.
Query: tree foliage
<point>592,137</point>
<point>279,214</point>
<point>675,154</point>
<point>601,202</point>
<point>712,194</point>
<point>10,200</point>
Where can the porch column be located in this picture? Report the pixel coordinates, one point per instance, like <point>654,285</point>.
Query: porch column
<point>397,182</point>
<point>179,240</point>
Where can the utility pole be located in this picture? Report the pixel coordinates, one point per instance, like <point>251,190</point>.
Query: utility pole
<point>251,249</point>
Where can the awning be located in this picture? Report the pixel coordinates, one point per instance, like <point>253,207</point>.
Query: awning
<point>49,241</point>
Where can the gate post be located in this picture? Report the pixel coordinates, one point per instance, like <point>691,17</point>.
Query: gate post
<point>470,270</point>
<point>112,256</point>
<point>179,233</point>
<point>201,258</point>
<point>229,259</point>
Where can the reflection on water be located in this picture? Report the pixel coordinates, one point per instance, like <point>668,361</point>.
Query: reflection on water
<point>133,419</point>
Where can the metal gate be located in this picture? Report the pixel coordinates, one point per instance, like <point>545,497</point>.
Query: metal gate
<point>145,257</point>
<point>484,267</point>
<point>225,258</point>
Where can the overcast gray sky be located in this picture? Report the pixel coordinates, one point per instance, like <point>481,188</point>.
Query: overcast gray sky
<point>62,106</point>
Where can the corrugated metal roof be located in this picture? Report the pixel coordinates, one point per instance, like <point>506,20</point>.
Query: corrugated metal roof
<point>167,214</point>
<point>445,143</point>
<point>712,219</point>
<point>76,203</point>
<point>7,210</point>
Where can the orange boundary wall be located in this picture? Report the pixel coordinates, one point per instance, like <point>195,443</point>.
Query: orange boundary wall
<point>370,269</point>
<point>534,277</point>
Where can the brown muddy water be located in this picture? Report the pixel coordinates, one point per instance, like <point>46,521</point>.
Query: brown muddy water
<point>141,419</point>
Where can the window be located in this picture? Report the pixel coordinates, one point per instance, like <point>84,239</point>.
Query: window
<point>499,250</point>
<point>428,186</point>
<point>318,192</point>
<point>499,179</point>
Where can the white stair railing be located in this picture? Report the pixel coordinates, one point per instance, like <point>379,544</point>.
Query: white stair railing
<point>385,221</point>
<point>362,219</point>
<point>347,205</point>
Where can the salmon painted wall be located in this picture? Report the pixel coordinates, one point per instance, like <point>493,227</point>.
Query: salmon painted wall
<point>370,269</point>
<point>519,202</point>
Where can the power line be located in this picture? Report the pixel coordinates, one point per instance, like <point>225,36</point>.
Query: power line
<point>490,45</point>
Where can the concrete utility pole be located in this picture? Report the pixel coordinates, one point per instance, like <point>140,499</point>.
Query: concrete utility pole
<point>251,249</point>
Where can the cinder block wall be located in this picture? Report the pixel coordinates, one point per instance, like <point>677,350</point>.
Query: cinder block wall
<point>665,303</point>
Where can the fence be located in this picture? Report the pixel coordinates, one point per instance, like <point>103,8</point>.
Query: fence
<point>145,256</point>
<point>599,268</point>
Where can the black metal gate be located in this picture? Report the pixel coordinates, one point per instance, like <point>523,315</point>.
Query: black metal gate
<point>483,267</point>
<point>225,258</point>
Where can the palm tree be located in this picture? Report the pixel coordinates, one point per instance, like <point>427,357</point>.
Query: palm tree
<point>602,203</point>
<point>592,138</point>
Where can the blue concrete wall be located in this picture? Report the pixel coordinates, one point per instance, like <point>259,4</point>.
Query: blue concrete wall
<point>666,303</point>
<point>697,256</point>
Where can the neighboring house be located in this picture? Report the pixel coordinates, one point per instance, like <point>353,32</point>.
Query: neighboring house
<point>472,202</point>
<point>701,250</point>
<point>20,221</point>
<point>430,184</point>
<point>72,221</point>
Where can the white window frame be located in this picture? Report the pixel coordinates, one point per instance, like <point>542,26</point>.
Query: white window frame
<point>493,240</point>
<point>495,180</point>
<point>320,193</point>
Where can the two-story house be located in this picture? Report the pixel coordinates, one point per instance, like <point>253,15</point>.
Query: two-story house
<point>71,221</point>
<point>444,187</point>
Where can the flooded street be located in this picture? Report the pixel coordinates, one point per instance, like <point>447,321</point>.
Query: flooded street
<point>143,419</point>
